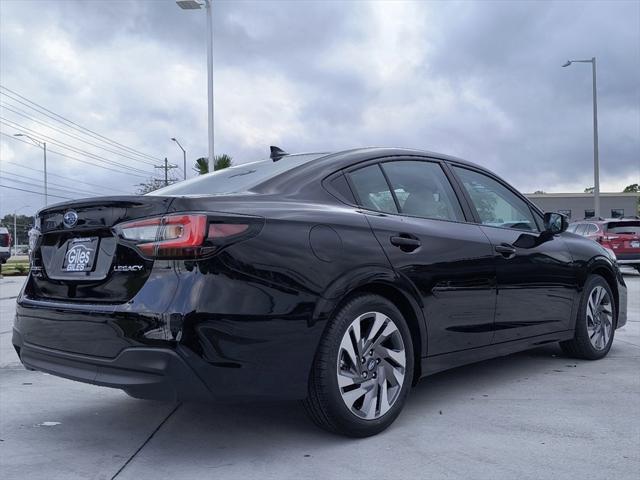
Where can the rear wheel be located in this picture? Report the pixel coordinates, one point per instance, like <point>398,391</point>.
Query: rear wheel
<point>595,324</point>
<point>363,369</point>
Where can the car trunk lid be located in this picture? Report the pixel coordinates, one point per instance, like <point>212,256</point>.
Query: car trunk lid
<point>77,257</point>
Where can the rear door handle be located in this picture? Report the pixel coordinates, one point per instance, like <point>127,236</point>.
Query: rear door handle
<point>405,242</point>
<point>506,250</point>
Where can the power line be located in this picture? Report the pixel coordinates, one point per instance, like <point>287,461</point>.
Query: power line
<point>75,158</point>
<point>48,125</point>
<point>72,124</point>
<point>38,185</point>
<point>64,177</point>
<point>77,190</point>
<point>31,191</point>
<point>58,143</point>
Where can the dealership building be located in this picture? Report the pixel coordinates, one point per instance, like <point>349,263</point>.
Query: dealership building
<point>580,205</point>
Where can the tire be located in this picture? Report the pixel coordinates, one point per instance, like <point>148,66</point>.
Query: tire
<point>594,332</point>
<point>354,398</point>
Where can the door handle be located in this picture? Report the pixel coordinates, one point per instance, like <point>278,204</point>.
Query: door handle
<point>506,250</point>
<point>405,242</point>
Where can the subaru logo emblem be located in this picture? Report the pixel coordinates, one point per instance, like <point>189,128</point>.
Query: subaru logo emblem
<point>70,219</point>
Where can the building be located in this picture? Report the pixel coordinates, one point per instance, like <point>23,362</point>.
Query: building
<point>580,205</point>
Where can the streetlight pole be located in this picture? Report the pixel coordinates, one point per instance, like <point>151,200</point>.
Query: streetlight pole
<point>184,157</point>
<point>42,145</point>
<point>208,5</point>
<point>596,160</point>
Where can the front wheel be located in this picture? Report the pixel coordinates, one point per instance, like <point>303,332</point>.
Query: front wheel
<point>595,323</point>
<point>363,369</point>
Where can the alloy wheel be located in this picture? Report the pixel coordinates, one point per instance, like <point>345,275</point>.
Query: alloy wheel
<point>371,365</point>
<point>599,318</point>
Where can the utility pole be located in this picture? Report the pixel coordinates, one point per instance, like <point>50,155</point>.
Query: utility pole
<point>166,167</point>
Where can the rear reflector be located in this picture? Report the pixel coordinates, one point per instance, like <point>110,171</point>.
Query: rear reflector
<point>178,235</point>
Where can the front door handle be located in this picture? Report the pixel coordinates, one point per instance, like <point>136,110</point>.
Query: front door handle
<point>506,250</point>
<point>405,242</point>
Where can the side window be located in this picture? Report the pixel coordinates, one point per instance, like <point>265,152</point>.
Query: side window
<point>591,229</point>
<point>581,229</point>
<point>572,227</point>
<point>372,189</point>
<point>423,190</point>
<point>496,205</point>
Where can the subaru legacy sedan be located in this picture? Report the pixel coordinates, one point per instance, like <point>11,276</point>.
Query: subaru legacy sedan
<point>339,279</point>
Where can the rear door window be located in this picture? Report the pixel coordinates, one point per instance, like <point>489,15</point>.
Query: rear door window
<point>423,190</point>
<point>372,189</point>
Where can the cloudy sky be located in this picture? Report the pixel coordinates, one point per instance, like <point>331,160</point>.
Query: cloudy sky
<point>480,80</point>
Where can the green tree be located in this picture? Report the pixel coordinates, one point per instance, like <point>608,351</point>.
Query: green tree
<point>634,188</point>
<point>222,161</point>
<point>539,192</point>
<point>202,166</point>
<point>219,162</point>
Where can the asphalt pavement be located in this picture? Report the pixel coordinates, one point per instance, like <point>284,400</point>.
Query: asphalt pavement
<point>532,415</point>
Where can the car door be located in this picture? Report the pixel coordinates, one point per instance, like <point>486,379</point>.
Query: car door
<point>536,281</point>
<point>417,218</point>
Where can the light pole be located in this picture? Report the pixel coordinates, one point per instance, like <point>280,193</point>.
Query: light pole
<point>184,156</point>
<point>42,145</point>
<point>596,161</point>
<point>194,5</point>
<point>15,228</point>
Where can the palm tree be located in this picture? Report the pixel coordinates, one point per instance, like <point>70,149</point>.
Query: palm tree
<point>222,161</point>
<point>202,166</point>
<point>219,162</point>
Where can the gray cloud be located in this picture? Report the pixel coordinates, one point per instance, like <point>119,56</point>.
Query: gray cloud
<point>477,79</point>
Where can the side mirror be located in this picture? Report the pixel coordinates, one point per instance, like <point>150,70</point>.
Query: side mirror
<point>555,222</point>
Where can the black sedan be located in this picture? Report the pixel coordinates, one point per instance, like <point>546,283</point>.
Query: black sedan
<point>339,279</point>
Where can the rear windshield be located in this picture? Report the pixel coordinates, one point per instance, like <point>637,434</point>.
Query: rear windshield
<point>4,239</point>
<point>239,178</point>
<point>631,228</point>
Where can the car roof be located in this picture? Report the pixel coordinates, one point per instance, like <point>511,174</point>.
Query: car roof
<point>365,153</point>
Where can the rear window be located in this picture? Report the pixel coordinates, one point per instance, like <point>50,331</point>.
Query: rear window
<point>236,179</point>
<point>631,228</point>
<point>4,239</point>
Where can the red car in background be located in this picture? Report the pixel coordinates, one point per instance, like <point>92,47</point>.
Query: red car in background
<point>620,235</point>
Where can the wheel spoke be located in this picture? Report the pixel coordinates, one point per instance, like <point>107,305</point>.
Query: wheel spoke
<point>393,374</point>
<point>369,403</point>
<point>347,347</point>
<point>352,396</point>
<point>346,379</point>
<point>397,356</point>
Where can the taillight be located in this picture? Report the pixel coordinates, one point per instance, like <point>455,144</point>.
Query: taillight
<point>177,235</point>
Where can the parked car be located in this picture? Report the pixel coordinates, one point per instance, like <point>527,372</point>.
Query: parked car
<point>5,245</point>
<point>339,279</point>
<point>620,235</point>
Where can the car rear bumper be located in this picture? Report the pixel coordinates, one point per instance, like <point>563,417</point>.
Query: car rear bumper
<point>628,258</point>
<point>143,372</point>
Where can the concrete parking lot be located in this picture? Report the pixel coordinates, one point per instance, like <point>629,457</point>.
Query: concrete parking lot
<point>532,415</point>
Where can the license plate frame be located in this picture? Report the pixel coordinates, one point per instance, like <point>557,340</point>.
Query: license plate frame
<point>80,254</point>
<point>635,243</point>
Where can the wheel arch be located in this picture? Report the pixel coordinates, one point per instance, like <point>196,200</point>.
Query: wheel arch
<point>603,270</point>
<point>388,286</point>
